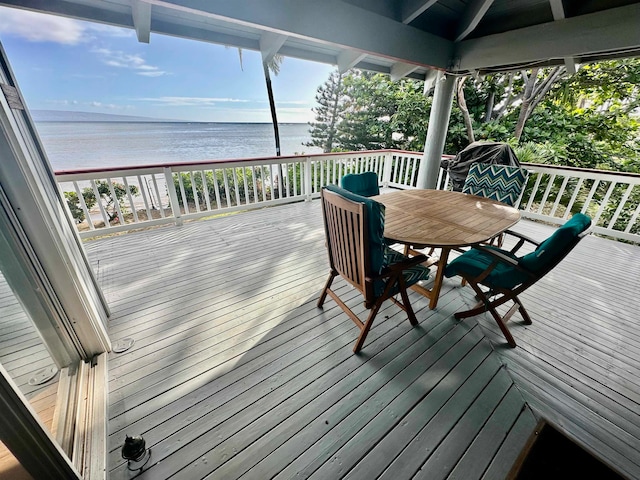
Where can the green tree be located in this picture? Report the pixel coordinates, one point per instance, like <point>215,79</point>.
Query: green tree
<point>376,113</point>
<point>327,114</point>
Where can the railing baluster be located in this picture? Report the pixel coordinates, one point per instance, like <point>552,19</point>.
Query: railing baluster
<point>196,199</point>
<point>246,186</point>
<point>295,179</point>
<point>236,189</point>
<point>254,181</point>
<point>105,217</point>
<point>264,183</point>
<point>621,204</point>
<point>116,202</point>
<point>559,196</point>
<point>543,202</point>
<point>534,192</point>
<point>205,189</point>
<point>309,165</point>
<point>604,202</point>
<point>144,197</point>
<point>173,194</point>
<point>131,204</point>
<point>633,220</point>
<point>83,206</point>
<point>590,196</point>
<point>185,204</point>
<point>573,198</point>
<point>226,186</point>
<point>216,188</point>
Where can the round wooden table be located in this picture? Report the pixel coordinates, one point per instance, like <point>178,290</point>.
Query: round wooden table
<point>445,220</point>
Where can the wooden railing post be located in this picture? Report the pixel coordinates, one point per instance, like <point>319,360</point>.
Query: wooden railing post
<point>173,195</point>
<point>386,172</point>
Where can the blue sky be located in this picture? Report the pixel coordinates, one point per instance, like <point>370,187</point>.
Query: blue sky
<point>65,64</point>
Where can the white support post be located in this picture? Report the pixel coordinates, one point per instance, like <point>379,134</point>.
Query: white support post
<point>173,195</point>
<point>437,132</point>
<point>308,190</point>
<point>386,171</point>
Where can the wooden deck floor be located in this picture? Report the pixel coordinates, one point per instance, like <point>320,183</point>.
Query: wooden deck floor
<point>236,373</point>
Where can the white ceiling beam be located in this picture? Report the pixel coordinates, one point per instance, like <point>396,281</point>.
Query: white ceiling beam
<point>557,9</point>
<point>141,14</point>
<point>270,44</point>
<point>348,59</point>
<point>332,22</point>
<point>400,70</point>
<point>608,30</point>
<point>471,17</point>
<point>412,9</point>
<point>430,80</point>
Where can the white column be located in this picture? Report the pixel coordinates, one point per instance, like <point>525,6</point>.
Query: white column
<point>437,131</point>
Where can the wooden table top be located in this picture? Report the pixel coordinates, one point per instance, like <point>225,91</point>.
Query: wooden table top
<point>441,218</point>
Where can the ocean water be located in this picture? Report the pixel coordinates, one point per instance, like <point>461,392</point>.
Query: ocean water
<point>74,145</point>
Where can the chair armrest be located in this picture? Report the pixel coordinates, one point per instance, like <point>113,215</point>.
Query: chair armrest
<point>400,266</point>
<point>501,257</point>
<point>521,240</point>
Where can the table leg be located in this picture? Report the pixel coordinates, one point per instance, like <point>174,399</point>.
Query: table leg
<point>434,293</point>
<point>437,284</point>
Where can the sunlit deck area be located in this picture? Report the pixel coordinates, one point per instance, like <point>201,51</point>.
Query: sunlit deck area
<point>236,373</point>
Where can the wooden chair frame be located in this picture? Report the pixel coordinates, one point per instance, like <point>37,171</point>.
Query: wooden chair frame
<point>345,223</point>
<point>503,295</point>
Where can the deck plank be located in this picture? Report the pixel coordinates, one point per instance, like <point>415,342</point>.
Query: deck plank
<point>235,372</point>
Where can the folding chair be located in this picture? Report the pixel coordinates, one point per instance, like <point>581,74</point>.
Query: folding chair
<point>354,227</point>
<point>507,275</point>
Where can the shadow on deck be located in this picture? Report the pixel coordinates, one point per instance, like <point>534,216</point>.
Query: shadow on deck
<point>235,372</point>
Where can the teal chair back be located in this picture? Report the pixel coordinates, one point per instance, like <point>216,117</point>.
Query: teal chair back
<point>363,184</point>
<point>499,182</point>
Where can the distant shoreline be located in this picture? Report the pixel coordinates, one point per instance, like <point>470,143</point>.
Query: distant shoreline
<point>186,122</point>
<point>69,116</point>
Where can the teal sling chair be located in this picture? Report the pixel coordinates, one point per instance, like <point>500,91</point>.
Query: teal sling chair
<point>354,227</point>
<point>503,183</point>
<point>507,275</point>
<point>363,184</point>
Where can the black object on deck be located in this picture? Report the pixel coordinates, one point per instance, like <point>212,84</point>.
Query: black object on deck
<point>477,152</point>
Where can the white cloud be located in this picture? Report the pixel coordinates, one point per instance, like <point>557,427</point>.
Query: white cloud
<point>37,27</point>
<point>119,59</point>
<point>110,31</point>
<point>191,101</point>
<point>110,106</point>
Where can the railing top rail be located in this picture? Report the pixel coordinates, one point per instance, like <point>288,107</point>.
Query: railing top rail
<point>200,163</point>
<point>592,171</point>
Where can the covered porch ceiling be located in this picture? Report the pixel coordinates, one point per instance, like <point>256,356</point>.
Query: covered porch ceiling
<point>404,38</point>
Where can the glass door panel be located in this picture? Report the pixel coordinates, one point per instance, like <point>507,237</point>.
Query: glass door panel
<point>26,359</point>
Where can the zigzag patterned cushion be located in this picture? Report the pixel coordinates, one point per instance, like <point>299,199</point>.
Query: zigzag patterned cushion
<point>498,182</point>
<point>411,275</point>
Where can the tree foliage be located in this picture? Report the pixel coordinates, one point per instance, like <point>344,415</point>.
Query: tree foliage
<point>328,112</point>
<point>588,119</point>
<point>104,192</point>
<point>370,112</point>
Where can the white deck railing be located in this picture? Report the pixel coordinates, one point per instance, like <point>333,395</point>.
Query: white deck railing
<point>172,193</point>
